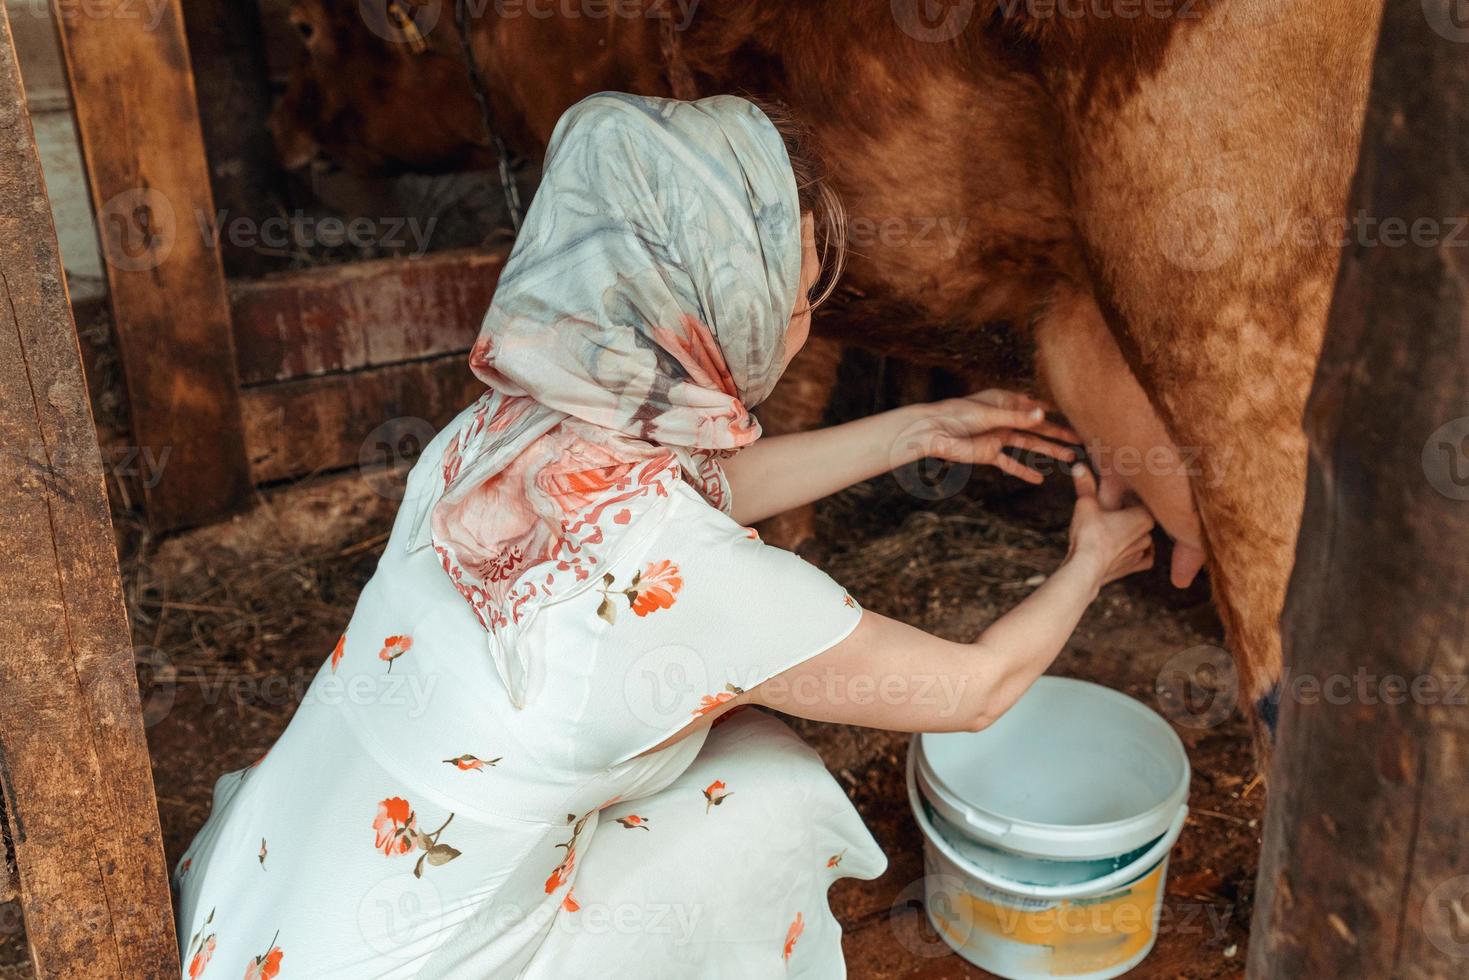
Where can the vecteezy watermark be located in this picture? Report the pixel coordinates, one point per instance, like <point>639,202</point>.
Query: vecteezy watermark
<point>933,21</point>
<point>150,12</point>
<point>1123,10</point>
<point>942,693</point>
<point>967,912</point>
<point>680,12</point>
<point>401,21</point>
<point>304,231</point>
<point>139,229</point>
<point>160,679</point>
<point>941,896</point>
<point>663,687</point>
<point>411,21</point>
<point>1199,230</point>
<point>1202,228</point>
<point>1127,462</point>
<point>1445,459</point>
<point>673,923</point>
<point>1198,687</point>
<point>12,921</point>
<point>944,233</point>
<point>1449,19</point>
<point>919,474</point>
<point>56,466</point>
<point>402,916</point>
<point>388,448</point>
<point>1446,916</point>
<point>1363,686</point>
<point>157,679</point>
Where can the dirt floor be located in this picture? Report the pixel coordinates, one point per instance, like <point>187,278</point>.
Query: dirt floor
<point>232,621</point>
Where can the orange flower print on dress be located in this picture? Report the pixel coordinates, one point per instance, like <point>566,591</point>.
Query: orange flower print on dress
<point>798,926</point>
<point>395,826</point>
<point>634,822</point>
<point>202,957</point>
<point>848,601</point>
<point>714,794</point>
<point>337,651</point>
<point>393,648</point>
<point>472,763</point>
<point>562,873</point>
<point>658,585</point>
<point>836,859</point>
<point>201,949</point>
<point>711,702</point>
<point>651,589</point>
<point>266,966</point>
<point>568,903</point>
<point>397,832</point>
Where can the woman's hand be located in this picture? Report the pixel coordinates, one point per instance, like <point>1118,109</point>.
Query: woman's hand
<point>978,428</point>
<point>1113,543</point>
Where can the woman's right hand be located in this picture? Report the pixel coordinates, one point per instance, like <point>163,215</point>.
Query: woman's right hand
<point>1114,543</point>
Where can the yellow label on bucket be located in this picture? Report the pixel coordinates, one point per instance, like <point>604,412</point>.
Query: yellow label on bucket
<point>1082,935</point>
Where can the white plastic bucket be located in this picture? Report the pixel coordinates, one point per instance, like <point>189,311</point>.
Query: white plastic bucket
<point>1046,836</point>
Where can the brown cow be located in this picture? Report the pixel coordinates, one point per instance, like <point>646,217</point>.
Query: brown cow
<point>1147,188</point>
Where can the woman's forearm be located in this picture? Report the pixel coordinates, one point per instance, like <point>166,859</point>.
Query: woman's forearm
<point>1023,643</point>
<point>781,473</point>
<point>888,674</point>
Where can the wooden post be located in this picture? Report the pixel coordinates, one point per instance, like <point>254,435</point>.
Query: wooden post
<point>73,760</point>
<point>227,44</point>
<point>133,89</point>
<point>1365,867</point>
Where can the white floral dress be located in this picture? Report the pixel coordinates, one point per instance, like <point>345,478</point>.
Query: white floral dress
<point>411,822</point>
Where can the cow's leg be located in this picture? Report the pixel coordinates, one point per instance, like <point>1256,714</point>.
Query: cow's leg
<point>799,403</point>
<point>1211,207</point>
<point>1084,373</point>
<point>1247,471</point>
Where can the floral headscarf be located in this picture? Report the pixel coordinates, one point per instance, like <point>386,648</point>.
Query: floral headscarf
<point>641,315</point>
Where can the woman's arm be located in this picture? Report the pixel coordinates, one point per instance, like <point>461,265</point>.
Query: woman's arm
<point>890,675</point>
<point>781,473</point>
<point>887,674</point>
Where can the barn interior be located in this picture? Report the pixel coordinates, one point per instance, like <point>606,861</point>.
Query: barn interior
<point>350,302</point>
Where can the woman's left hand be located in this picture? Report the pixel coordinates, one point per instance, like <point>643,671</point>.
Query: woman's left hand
<point>978,428</point>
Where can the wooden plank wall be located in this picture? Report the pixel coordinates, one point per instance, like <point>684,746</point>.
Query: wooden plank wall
<point>337,364</point>
<point>1364,871</point>
<point>132,86</point>
<point>73,759</point>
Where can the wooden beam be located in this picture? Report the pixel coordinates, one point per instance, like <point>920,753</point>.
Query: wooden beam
<point>366,314</point>
<point>132,86</point>
<point>372,417</point>
<point>1365,865</point>
<point>227,43</point>
<point>73,760</point>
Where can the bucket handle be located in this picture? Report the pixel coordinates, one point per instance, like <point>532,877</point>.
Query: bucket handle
<point>987,825</point>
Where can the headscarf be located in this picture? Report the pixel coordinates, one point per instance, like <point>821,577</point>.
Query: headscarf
<point>641,315</point>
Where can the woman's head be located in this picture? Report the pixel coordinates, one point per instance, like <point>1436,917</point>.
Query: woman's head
<point>654,286</point>
<point>823,221</point>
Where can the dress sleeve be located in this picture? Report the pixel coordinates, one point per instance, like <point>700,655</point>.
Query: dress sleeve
<point>700,612</point>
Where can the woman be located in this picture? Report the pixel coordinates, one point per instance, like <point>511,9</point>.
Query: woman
<point>508,766</point>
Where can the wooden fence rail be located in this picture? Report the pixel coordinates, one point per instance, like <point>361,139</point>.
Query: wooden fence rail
<point>73,760</point>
